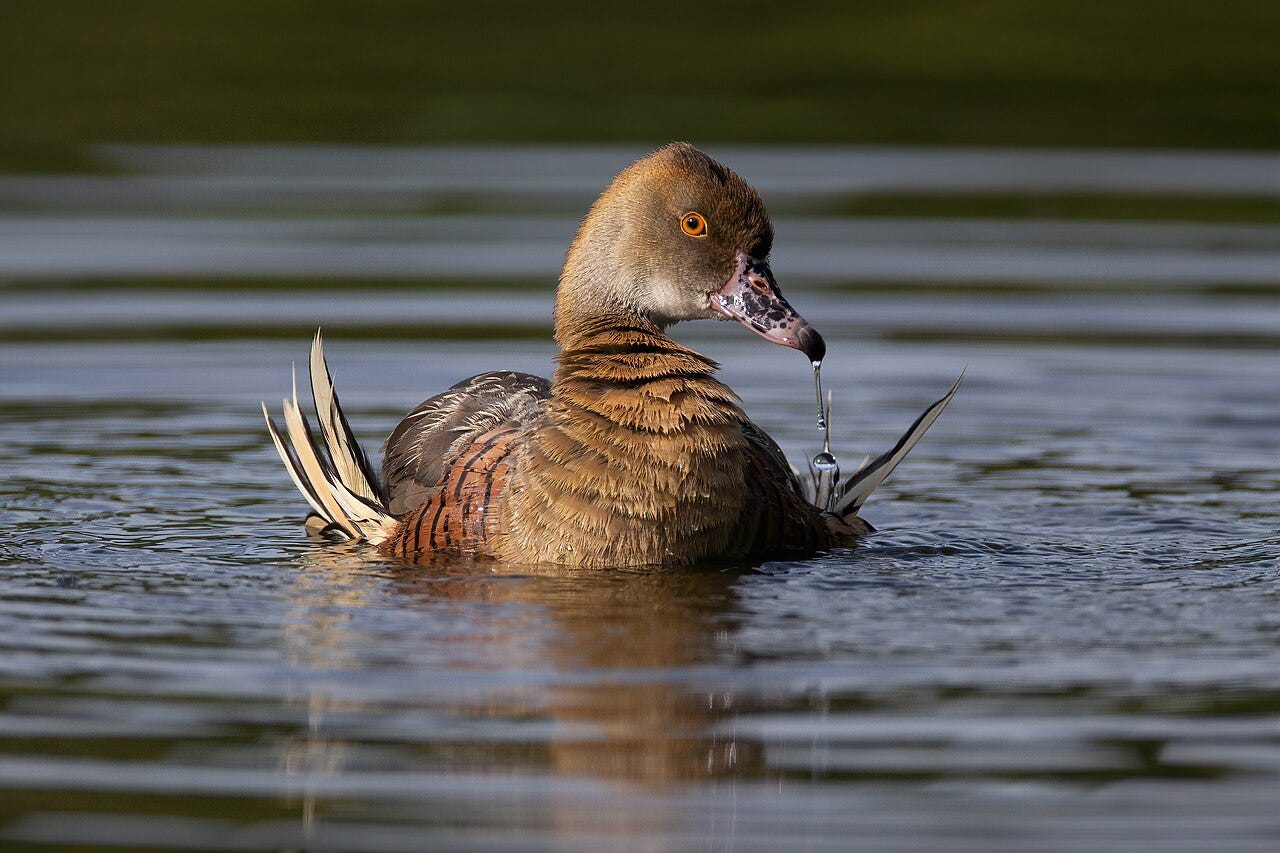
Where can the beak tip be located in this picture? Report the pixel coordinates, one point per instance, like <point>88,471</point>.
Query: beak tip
<point>809,342</point>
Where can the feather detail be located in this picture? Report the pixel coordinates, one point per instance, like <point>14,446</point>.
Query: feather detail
<point>855,491</point>
<point>293,467</point>
<point>313,466</point>
<point>349,459</point>
<point>336,482</point>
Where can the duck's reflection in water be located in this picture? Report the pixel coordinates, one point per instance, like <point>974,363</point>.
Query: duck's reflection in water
<point>619,643</point>
<point>319,638</point>
<point>613,658</point>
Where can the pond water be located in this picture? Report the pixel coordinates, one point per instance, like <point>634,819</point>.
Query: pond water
<point>1064,635</point>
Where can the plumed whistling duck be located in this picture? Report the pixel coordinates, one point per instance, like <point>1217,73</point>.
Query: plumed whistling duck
<point>634,453</point>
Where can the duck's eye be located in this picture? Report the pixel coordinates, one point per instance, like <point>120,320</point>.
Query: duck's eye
<point>694,224</point>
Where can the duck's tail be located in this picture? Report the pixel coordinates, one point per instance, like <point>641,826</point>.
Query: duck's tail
<point>338,482</point>
<point>844,500</point>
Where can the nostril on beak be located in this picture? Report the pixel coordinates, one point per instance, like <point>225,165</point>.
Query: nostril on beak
<point>758,284</point>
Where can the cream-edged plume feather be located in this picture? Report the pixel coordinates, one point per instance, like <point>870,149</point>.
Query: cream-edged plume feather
<point>338,481</point>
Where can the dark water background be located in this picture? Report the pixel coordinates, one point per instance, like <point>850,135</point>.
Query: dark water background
<point>1065,635</point>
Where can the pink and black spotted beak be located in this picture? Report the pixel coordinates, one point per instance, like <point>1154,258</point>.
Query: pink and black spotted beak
<point>751,297</point>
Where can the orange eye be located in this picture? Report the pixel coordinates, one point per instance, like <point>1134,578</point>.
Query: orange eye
<point>694,224</point>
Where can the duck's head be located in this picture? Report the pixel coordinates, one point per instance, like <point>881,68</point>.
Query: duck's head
<point>677,236</point>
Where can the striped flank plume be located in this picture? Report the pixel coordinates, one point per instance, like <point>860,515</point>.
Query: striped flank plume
<point>337,481</point>
<point>848,498</point>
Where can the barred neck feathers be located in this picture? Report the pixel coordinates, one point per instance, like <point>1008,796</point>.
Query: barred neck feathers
<point>632,375</point>
<point>641,458</point>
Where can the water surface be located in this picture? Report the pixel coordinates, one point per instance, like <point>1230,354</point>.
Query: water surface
<point>1065,635</point>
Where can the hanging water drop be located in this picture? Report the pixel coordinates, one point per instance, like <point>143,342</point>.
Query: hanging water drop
<point>823,467</point>
<point>817,390</point>
<point>826,475</point>
<point>824,461</point>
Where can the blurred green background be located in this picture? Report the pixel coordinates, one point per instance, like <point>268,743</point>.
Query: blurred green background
<point>1149,73</point>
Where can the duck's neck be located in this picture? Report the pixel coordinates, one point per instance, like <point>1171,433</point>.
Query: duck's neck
<point>642,451</point>
<point>639,390</point>
<point>603,360</point>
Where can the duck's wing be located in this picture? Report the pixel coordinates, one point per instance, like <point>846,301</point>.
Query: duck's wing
<point>429,437</point>
<point>778,519</point>
<point>767,456</point>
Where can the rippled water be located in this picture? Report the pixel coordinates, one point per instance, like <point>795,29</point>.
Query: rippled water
<point>1065,635</point>
<point>1066,631</point>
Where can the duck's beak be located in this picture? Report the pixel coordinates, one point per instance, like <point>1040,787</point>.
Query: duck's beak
<point>751,297</point>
